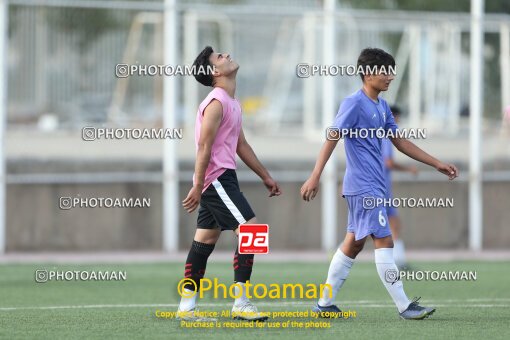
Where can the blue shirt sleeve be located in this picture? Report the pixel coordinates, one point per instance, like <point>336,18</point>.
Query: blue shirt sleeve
<point>347,116</point>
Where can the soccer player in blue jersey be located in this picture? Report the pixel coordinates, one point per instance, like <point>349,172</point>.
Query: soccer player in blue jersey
<point>395,224</point>
<point>364,181</point>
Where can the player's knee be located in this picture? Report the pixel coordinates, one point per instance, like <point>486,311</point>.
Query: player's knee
<point>352,249</point>
<point>206,236</point>
<point>386,242</point>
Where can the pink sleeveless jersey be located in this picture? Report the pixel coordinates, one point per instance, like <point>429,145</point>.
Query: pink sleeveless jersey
<point>223,152</point>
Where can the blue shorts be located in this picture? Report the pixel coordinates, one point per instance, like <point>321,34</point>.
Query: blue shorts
<point>391,211</point>
<point>365,218</point>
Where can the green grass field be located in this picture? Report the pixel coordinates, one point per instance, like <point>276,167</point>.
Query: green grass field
<point>96,310</point>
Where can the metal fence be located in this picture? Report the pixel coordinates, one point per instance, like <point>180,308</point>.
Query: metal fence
<point>62,55</point>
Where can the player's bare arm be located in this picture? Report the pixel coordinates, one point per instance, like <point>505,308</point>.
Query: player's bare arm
<point>410,149</point>
<point>212,120</point>
<point>311,187</point>
<point>247,155</point>
<point>392,165</point>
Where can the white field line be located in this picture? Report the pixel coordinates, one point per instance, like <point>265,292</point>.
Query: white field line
<point>361,304</point>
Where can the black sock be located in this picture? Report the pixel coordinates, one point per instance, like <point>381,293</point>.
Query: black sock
<point>243,264</point>
<point>196,263</point>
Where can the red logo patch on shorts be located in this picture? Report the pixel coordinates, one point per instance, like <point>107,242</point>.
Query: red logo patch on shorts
<point>253,239</point>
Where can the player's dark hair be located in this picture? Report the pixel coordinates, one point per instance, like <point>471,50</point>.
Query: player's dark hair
<point>202,62</point>
<point>395,110</point>
<point>374,57</point>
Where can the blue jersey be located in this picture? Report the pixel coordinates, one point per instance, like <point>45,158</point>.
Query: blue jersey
<point>387,153</point>
<point>365,167</point>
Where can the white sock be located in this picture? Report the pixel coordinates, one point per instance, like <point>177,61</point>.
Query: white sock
<point>388,272</point>
<point>243,297</point>
<point>188,303</point>
<point>399,252</point>
<point>339,269</point>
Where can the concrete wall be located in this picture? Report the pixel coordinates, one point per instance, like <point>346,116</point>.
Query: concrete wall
<point>35,222</point>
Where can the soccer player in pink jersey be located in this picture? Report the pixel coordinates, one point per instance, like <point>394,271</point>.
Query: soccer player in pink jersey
<point>219,137</point>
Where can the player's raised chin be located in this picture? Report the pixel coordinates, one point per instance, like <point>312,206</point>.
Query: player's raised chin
<point>223,64</point>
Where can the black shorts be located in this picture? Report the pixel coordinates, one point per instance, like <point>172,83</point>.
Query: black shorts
<point>223,204</point>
